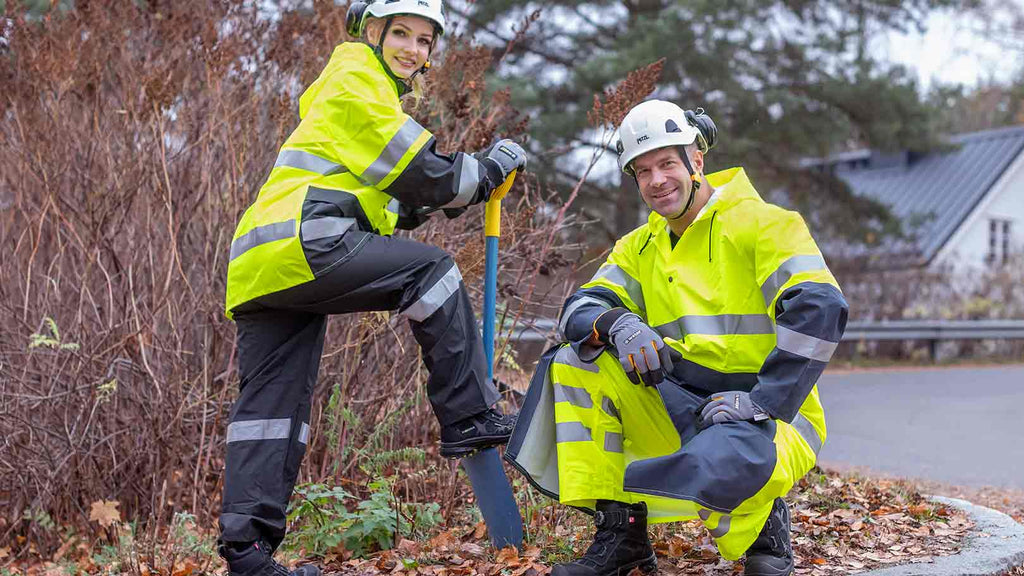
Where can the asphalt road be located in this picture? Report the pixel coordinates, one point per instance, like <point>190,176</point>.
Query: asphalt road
<point>961,426</point>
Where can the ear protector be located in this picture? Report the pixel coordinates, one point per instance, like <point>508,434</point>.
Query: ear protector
<point>354,18</point>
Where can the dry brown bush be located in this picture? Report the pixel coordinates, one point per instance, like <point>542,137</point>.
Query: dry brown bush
<point>133,136</point>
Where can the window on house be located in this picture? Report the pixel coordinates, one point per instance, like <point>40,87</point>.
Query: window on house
<point>999,241</point>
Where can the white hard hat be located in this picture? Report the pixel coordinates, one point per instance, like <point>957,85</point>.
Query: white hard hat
<point>432,10</point>
<point>656,124</point>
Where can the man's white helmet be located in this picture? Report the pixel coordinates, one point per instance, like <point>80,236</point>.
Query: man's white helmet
<point>432,10</point>
<point>656,124</point>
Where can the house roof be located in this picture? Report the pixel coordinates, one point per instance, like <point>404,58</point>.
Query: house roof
<point>936,190</point>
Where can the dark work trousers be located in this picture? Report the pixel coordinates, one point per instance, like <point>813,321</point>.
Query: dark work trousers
<point>280,340</point>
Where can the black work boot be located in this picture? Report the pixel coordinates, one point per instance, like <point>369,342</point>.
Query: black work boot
<point>620,544</point>
<point>772,553</point>
<point>256,559</point>
<point>488,428</point>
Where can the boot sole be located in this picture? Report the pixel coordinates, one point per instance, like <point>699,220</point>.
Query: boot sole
<point>468,447</point>
<point>648,565</point>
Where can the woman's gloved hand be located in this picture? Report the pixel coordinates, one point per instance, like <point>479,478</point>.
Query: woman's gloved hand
<point>499,161</point>
<point>410,217</point>
<point>729,406</point>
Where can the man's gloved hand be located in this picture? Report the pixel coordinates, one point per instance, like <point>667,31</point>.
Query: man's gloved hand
<point>728,406</point>
<point>643,353</point>
<point>499,161</point>
<point>410,217</point>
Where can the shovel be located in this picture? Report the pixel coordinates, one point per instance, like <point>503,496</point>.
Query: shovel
<point>486,474</point>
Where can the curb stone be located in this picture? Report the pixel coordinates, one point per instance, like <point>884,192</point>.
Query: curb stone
<point>996,544</point>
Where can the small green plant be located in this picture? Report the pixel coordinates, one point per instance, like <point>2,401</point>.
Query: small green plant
<point>322,519</point>
<point>52,340</point>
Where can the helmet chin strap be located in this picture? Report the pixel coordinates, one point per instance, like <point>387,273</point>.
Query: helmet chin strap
<point>694,185</point>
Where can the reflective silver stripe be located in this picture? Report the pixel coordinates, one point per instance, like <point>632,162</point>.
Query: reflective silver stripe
<point>394,205</point>
<point>435,297</point>
<point>613,442</point>
<point>609,408</point>
<point>567,356</point>
<point>576,396</point>
<point>572,308</point>
<point>704,514</point>
<point>262,235</point>
<point>804,345</point>
<point>807,432</point>
<point>723,527</point>
<point>393,152</point>
<point>722,324</point>
<point>325,227</point>
<point>618,276</point>
<point>309,162</point>
<point>572,432</point>
<point>794,265</point>
<point>469,181</point>
<point>278,429</point>
<point>304,433</point>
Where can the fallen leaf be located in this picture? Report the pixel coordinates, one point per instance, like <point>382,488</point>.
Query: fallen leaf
<point>480,531</point>
<point>105,512</point>
<point>508,555</point>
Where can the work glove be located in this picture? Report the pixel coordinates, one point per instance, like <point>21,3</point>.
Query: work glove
<point>499,161</point>
<point>410,217</point>
<point>643,353</point>
<point>729,406</point>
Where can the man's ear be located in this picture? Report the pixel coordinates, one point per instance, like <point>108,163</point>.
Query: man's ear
<point>698,161</point>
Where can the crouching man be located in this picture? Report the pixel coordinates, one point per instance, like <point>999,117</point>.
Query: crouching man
<point>686,388</point>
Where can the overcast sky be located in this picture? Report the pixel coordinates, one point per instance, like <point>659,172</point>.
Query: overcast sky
<point>954,49</point>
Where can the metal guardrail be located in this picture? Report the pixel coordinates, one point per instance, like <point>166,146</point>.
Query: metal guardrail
<point>932,330</point>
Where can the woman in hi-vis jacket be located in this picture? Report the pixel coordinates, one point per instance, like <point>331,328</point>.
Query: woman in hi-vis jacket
<point>317,241</point>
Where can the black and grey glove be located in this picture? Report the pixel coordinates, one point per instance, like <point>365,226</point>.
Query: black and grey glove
<point>499,161</point>
<point>410,217</point>
<point>729,406</point>
<point>643,353</point>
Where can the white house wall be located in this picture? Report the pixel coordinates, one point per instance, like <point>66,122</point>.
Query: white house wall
<point>968,247</point>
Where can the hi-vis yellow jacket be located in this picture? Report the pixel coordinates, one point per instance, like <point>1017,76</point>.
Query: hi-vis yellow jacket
<point>354,157</point>
<point>745,296</point>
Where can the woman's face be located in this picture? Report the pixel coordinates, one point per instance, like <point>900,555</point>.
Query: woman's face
<point>407,45</point>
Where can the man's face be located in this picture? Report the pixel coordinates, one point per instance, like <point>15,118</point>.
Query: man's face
<point>664,181</point>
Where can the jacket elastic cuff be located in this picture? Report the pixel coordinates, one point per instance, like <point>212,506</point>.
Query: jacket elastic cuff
<point>604,322</point>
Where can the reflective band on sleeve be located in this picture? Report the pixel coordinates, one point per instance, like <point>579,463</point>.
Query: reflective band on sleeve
<point>304,433</point>
<point>803,345</point>
<point>262,235</point>
<point>723,527</point>
<point>567,356</point>
<point>309,162</point>
<point>572,432</point>
<point>576,396</point>
<point>393,152</point>
<point>618,276</point>
<point>278,429</point>
<point>572,308</point>
<point>435,297</point>
<point>794,265</point>
<point>807,432</point>
<point>394,205</point>
<point>325,227</point>
<point>613,442</point>
<point>609,408</point>
<point>720,325</point>
<point>469,181</point>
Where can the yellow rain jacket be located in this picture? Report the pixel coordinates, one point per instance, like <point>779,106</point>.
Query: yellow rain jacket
<point>746,298</point>
<point>355,156</point>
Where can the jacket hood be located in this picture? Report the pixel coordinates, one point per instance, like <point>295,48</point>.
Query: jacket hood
<point>347,55</point>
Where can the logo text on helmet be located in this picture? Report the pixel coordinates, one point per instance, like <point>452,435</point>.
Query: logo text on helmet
<point>424,3</point>
<point>643,138</point>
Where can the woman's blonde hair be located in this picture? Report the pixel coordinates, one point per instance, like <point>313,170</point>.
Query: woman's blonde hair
<point>374,28</point>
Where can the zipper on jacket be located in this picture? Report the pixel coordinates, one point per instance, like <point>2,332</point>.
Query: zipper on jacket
<point>710,230</point>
